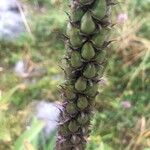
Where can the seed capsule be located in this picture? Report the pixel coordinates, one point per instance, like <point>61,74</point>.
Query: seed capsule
<point>100,71</point>
<point>99,39</point>
<point>82,103</point>
<point>70,95</point>
<point>87,51</point>
<point>75,59</point>
<point>90,71</point>
<point>69,29</point>
<point>71,108</point>
<point>73,126</point>
<point>80,84</point>
<point>73,33</point>
<point>76,14</point>
<point>100,8</point>
<point>75,139</point>
<point>80,146</point>
<point>85,1</point>
<point>100,57</point>
<point>64,130</point>
<point>69,72</point>
<point>92,90</point>
<point>87,24</point>
<point>83,118</point>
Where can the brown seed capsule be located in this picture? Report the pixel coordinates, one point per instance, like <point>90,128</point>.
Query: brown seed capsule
<point>83,119</point>
<point>69,92</point>
<point>82,102</point>
<point>75,139</point>
<point>73,126</point>
<point>70,95</point>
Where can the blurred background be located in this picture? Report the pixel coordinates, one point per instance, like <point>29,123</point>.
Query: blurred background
<point>31,52</point>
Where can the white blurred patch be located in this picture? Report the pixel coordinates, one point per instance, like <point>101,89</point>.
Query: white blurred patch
<point>49,113</point>
<point>6,4</point>
<point>11,24</point>
<point>20,69</point>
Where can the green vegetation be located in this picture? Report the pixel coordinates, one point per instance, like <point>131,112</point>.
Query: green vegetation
<point>121,117</point>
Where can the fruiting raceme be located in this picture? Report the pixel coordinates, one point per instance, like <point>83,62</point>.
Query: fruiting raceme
<point>87,33</point>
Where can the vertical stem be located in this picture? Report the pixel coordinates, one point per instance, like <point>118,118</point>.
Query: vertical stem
<point>87,33</point>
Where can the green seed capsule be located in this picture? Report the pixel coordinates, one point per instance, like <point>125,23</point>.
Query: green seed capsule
<point>92,90</point>
<point>90,71</point>
<point>85,1</point>
<point>71,108</point>
<point>100,71</point>
<point>73,33</point>
<point>75,59</point>
<point>83,119</point>
<point>69,29</point>
<point>76,14</point>
<point>64,130</point>
<point>100,57</point>
<point>100,9</point>
<point>87,24</point>
<point>82,103</point>
<point>99,39</point>
<point>80,84</point>
<point>87,51</point>
<point>73,126</point>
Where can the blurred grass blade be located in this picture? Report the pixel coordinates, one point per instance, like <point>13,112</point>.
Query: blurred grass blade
<point>29,135</point>
<point>6,97</point>
<point>28,146</point>
<point>104,146</point>
<point>51,142</point>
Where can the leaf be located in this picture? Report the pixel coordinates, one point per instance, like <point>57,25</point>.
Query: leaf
<point>30,135</point>
<point>104,146</point>
<point>6,97</point>
<point>51,142</point>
